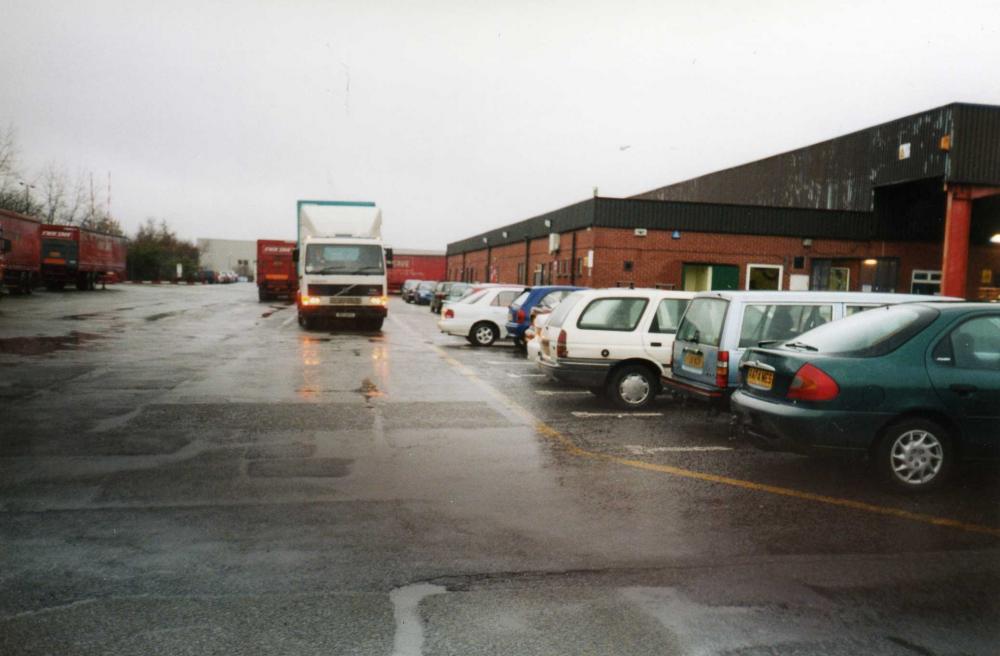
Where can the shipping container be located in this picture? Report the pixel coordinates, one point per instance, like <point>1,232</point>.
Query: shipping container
<point>81,256</point>
<point>276,275</point>
<point>19,266</point>
<point>415,265</point>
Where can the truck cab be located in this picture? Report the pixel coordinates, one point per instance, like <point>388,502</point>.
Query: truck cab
<point>341,264</point>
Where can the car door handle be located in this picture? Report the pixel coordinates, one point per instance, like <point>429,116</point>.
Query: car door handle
<point>963,390</point>
<point>655,344</point>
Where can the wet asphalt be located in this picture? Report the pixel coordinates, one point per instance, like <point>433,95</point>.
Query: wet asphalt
<point>184,470</point>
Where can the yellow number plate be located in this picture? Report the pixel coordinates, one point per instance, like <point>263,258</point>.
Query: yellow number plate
<point>694,360</point>
<point>760,378</point>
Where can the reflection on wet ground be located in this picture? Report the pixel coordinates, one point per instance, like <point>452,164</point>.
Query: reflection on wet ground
<point>45,344</point>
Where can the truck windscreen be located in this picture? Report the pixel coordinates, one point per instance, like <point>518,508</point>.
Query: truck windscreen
<point>344,259</point>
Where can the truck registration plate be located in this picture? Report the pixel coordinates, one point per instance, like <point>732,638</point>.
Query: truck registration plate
<point>345,315</point>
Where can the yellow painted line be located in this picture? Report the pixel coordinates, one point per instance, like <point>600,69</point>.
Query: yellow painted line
<point>571,447</point>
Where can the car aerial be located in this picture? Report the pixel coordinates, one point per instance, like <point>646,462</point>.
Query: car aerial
<point>424,292</point>
<point>614,342</point>
<point>544,296</point>
<point>406,289</point>
<point>914,386</point>
<point>481,316</point>
<point>719,326</point>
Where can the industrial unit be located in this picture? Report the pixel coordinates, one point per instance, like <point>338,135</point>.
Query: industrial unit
<point>912,205</point>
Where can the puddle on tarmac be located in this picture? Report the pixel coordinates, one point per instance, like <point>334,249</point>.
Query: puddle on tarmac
<point>80,317</point>
<point>43,345</point>
<point>162,315</point>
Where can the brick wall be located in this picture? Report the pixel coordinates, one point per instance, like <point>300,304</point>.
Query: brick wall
<point>658,258</point>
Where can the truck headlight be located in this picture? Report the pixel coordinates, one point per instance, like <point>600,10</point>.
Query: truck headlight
<point>379,300</point>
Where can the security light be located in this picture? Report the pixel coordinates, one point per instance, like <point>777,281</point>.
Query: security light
<point>995,239</point>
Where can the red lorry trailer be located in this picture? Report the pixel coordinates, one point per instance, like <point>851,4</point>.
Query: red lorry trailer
<point>415,265</point>
<point>276,274</point>
<point>20,264</point>
<point>80,256</point>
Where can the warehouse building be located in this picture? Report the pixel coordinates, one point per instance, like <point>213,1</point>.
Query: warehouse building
<point>237,255</point>
<point>868,211</point>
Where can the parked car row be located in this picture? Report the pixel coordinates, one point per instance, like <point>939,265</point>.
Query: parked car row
<point>910,382</point>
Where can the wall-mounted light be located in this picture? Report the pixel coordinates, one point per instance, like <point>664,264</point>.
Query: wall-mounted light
<point>548,223</point>
<point>807,242</point>
<point>995,239</point>
<point>871,261</point>
<point>486,240</point>
<point>504,234</point>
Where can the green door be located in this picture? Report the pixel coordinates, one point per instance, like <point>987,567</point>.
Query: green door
<point>725,276</point>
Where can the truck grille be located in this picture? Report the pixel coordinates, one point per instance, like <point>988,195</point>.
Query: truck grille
<point>344,290</point>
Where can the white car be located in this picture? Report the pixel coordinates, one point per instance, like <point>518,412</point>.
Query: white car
<point>479,317</point>
<point>533,335</point>
<point>614,342</point>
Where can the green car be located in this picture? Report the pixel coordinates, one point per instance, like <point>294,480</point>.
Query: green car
<point>915,386</point>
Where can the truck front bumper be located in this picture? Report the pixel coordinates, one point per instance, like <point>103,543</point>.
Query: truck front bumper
<point>360,311</point>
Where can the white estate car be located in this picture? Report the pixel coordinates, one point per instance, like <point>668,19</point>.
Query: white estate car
<point>614,342</point>
<point>480,317</point>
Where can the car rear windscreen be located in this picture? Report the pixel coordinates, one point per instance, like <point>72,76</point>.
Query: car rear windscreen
<point>702,323</point>
<point>780,322</point>
<point>868,334</point>
<point>563,309</point>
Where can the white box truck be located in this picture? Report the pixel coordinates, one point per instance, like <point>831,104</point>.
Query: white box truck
<point>341,263</point>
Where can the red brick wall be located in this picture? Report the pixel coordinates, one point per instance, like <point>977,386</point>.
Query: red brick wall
<point>658,258</point>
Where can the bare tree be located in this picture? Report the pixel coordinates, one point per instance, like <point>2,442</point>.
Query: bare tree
<point>52,186</point>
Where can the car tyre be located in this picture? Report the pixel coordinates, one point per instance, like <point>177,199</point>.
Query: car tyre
<point>632,387</point>
<point>483,334</point>
<point>915,455</point>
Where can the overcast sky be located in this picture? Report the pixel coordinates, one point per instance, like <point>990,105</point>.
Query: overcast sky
<point>456,117</point>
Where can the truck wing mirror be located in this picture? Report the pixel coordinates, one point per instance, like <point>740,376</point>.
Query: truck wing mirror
<point>388,258</point>
<point>295,255</point>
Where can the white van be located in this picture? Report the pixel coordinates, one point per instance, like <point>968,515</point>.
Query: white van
<point>719,326</point>
<point>613,341</point>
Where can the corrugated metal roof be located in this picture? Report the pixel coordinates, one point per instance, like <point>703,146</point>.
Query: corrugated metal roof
<point>571,217</point>
<point>842,173</point>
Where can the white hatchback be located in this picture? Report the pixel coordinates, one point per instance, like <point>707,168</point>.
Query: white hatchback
<point>614,342</point>
<point>480,317</point>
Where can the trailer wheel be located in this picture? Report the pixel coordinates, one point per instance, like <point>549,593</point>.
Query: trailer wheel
<point>262,295</point>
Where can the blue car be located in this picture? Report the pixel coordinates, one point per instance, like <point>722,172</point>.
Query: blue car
<point>546,296</point>
<point>424,292</point>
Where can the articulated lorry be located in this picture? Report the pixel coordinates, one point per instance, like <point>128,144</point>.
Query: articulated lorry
<point>276,274</point>
<point>21,252</point>
<point>341,263</point>
<point>81,256</point>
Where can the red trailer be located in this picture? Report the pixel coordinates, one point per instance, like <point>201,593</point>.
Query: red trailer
<point>276,275</point>
<point>416,265</point>
<point>81,256</point>
<point>20,265</point>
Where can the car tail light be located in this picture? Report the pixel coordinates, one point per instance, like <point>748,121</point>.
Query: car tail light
<point>722,369</point>
<point>812,384</point>
<point>520,316</point>
<point>449,314</point>
<point>561,351</point>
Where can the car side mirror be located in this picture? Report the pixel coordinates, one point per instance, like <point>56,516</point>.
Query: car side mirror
<point>388,258</point>
<point>295,255</point>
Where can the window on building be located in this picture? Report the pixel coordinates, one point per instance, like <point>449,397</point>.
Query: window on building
<point>764,276</point>
<point>925,282</point>
<point>799,262</point>
<point>629,265</point>
<point>521,279</point>
<point>579,266</point>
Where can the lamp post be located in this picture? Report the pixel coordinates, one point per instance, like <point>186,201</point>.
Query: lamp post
<point>27,192</point>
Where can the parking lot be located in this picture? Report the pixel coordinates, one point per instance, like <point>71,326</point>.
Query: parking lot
<point>186,470</point>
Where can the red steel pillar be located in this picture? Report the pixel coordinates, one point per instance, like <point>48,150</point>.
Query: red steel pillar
<point>955,260</point>
<point>957,222</point>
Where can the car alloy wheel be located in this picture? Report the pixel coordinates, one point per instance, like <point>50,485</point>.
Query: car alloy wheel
<point>915,455</point>
<point>483,334</point>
